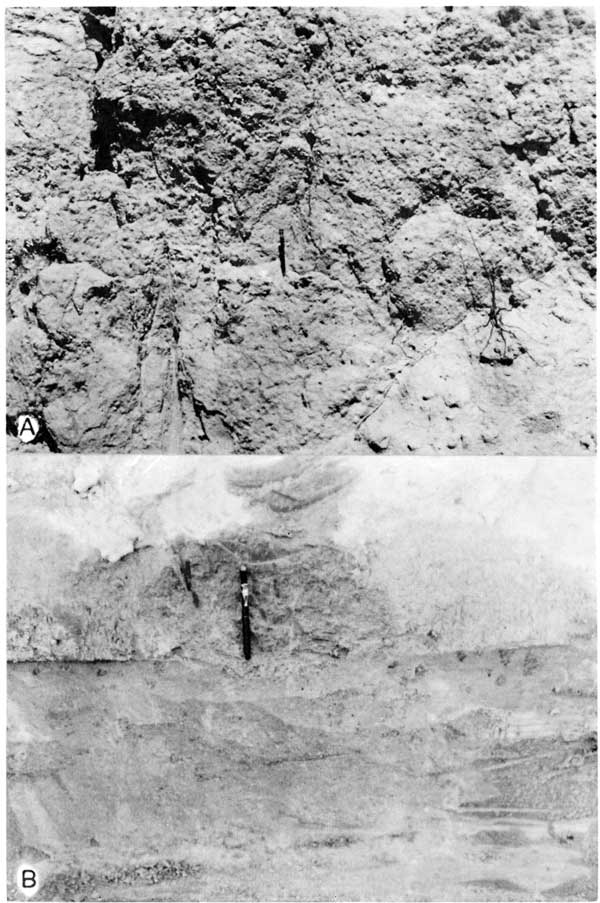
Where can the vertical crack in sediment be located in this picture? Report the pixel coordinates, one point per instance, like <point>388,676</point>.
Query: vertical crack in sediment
<point>98,26</point>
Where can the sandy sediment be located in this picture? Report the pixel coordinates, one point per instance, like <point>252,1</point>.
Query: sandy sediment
<point>418,719</point>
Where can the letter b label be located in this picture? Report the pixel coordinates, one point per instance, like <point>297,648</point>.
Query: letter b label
<point>28,881</point>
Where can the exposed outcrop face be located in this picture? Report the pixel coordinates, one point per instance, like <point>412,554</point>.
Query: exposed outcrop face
<point>137,559</point>
<point>422,678</point>
<point>433,175</point>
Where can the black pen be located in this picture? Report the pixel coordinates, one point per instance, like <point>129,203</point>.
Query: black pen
<point>245,612</point>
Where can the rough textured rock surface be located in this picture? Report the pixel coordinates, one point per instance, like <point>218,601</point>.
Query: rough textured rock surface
<point>418,717</point>
<point>403,154</point>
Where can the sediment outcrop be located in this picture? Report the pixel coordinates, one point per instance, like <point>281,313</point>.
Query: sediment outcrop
<point>432,174</point>
<point>422,678</point>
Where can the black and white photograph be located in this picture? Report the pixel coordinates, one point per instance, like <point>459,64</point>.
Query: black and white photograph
<point>276,230</point>
<point>295,679</point>
<point>300,455</point>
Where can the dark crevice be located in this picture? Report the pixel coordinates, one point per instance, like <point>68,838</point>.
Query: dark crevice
<point>201,411</point>
<point>11,425</point>
<point>573,139</point>
<point>105,134</point>
<point>561,237</point>
<point>354,264</point>
<point>114,203</point>
<point>185,392</point>
<point>49,247</point>
<point>405,313</point>
<point>117,128</point>
<point>390,274</point>
<point>509,15</point>
<point>186,573</point>
<point>525,150</point>
<point>203,176</point>
<point>95,29</point>
<point>357,198</point>
<point>544,208</point>
<point>99,32</point>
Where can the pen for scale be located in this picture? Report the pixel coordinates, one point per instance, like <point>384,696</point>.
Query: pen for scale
<point>244,588</point>
<point>245,595</point>
<point>246,639</point>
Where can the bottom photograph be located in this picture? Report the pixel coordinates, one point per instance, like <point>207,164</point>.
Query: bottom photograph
<point>301,679</point>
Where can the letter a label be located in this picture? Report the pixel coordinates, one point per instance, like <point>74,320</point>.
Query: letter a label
<point>27,427</point>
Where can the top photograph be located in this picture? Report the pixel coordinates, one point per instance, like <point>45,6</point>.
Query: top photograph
<point>313,230</point>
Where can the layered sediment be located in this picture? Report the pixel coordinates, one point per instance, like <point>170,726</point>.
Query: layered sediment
<point>422,678</point>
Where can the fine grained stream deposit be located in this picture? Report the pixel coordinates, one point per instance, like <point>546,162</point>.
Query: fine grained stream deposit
<point>417,720</point>
<point>271,230</point>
